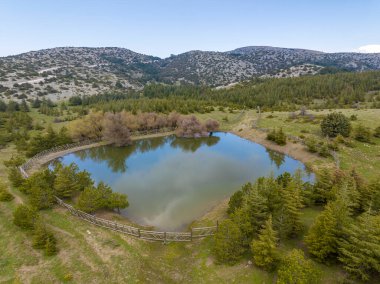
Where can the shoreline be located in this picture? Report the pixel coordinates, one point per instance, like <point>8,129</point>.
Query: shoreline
<point>294,150</point>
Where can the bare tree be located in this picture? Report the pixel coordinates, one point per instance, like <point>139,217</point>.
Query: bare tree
<point>115,130</point>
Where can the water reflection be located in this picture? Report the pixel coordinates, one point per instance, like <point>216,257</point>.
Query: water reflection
<point>276,157</point>
<point>172,181</point>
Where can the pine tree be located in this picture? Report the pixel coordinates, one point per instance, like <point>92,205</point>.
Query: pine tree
<point>264,249</point>
<point>256,208</point>
<point>323,237</point>
<point>25,217</point>
<point>228,242</point>
<point>288,217</point>
<point>41,195</point>
<point>89,200</point>
<point>4,193</point>
<point>296,269</point>
<point>51,247</point>
<point>65,183</point>
<point>360,248</point>
<point>117,201</point>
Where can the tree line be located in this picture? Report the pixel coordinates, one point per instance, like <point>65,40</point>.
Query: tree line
<point>116,128</point>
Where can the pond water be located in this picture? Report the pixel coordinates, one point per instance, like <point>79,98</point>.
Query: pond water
<point>172,181</point>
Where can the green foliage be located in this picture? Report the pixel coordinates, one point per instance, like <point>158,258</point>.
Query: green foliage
<point>66,183</point>
<point>376,133</point>
<point>89,200</point>
<point>312,145</point>
<point>278,137</point>
<point>334,124</point>
<point>92,199</point>
<point>264,249</point>
<point>41,195</point>
<point>323,237</point>
<point>359,249</point>
<point>296,269</point>
<point>44,239</point>
<point>117,201</point>
<point>287,218</point>
<point>228,242</point>
<point>25,217</point>
<point>4,193</point>
<point>363,134</point>
<point>47,141</point>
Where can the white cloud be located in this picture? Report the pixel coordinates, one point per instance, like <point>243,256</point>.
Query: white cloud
<point>370,48</point>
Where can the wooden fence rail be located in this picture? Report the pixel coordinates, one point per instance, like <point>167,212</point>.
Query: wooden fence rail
<point>111,225</point>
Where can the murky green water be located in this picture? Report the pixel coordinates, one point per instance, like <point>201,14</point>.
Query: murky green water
<point>172,181</point>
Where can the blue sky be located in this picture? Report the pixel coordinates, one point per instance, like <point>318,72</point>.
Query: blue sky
<point>164,27</point>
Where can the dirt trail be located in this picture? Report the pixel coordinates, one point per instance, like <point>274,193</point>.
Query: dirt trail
<point>45,159</point>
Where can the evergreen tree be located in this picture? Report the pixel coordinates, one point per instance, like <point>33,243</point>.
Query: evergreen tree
<point>288,216</point>
<point>264,249</point>
<point>50,247</point>
<point>228,242</point>
<point>256,208</point>
<point>25,217</point>
<point>41,195</point>
<point>89,200</point>
<point>334,124</point>
<point>323,237</point>
<point>4,193</point>
<point>65,183</point>
<point>360,248</point>
<point>118,201</point>
<point>295,269</point>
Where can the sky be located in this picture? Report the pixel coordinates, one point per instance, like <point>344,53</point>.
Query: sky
<point>164,27</point>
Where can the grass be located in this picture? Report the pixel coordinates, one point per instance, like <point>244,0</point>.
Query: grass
<point>366,156</point>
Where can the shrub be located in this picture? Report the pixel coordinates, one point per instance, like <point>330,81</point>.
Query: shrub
<point>44,239</point>
<point>334,124</point>
<point>296,269</point>
<point>312,145</point>
<point>363,134</point>
<point>377,132</point>
<point>4,193</point>
<point>278,137</point>
<point>25,217</point>
<point>353,117</point>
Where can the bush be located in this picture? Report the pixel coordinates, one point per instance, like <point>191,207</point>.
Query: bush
<point>278,137</point>
<point>334,124</point>
<point>363,134</point>
<point>5,195</point>
<point>25,217</point>
<point>312,145</point>
<point>377,132</point>
<point>296,269</point>
<point>44,239</point>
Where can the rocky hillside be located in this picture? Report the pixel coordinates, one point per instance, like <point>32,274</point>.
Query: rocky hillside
<point>59,73</point>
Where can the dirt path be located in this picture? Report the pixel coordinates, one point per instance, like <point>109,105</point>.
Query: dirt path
<point>45,159</point>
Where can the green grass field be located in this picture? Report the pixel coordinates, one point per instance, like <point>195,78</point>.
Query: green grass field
<point>363,156</point>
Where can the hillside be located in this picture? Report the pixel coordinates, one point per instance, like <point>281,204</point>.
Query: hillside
<point>59,73</point>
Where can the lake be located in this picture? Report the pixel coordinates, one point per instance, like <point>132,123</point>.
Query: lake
<point>172,181</point>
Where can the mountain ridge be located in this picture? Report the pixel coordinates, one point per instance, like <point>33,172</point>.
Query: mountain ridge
<point>62,72</point>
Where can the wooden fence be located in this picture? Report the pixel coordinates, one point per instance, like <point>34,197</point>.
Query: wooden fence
<point>194,233</point>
